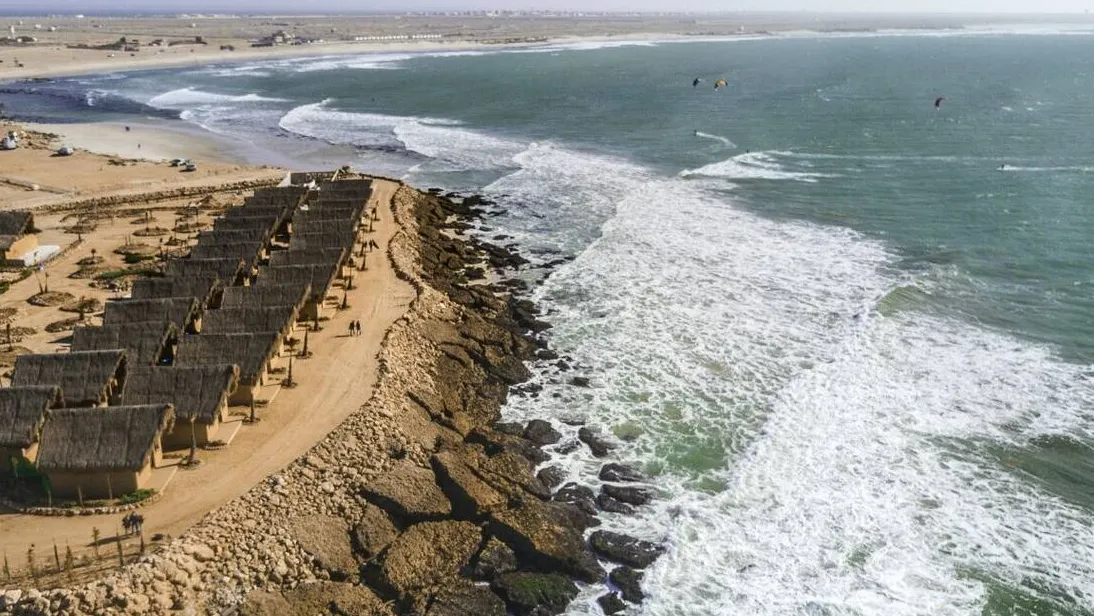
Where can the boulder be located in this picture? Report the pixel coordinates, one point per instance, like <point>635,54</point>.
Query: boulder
<point>495,559</point>
<point>551,476</point>
<point>429,555</point>
<point>319,598</point>
<point>466,599</point>
<point>327,540</point>
<point>625,549</point>
<point>611,603</point>
<point>578,495</point>
<point>374,532</point>
<point>541,433</point>
<point>496,442</point>
<point>539,593</point>
<point>409,493</point>
<point>620,473</point>
<point>629,582</point>
<point>471,497</point>
<point>627,494</point>
<point>599,445</point>
<point>611,505</point>
<point>513,474</point>
<point>546,535</point>
<point>512,428</point>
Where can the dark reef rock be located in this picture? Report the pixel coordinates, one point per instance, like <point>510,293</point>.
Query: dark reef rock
<point>619,473</point>
<point>494,560</point>
<point>465,599</point>
<point>525,593</point>
<point>624,549</point>
<point>541,433</point>
<point>627,494</point>
<point>611,505</point>
<point>577,495</point>
<point>598,444</point>
<point>551,476</point>
<point>629,582</point>
<point>611,603</point>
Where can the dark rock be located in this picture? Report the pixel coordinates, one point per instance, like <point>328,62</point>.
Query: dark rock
<point>619,473</point>
<point>599,445</point>
<point>578,495</point>
<point>512,474</point>
<point>465,599</point>
<point>579,381</point>
<point>611,505</point>
<point>495,442</point>
<point>494,559</point>
<point>409,493</point>
<point>562,365</point>
<point>624,549</point>
<point>611,603</point>
<point>525,592</point>
<point>629,582</point>
<point>627,494</point>
<point>551,476</point>
<point>374,532</point>
<point>548,536</point>
<point>568,447</point>
<point>573,421</point>
<point>541,433</point>
<point>546,354</point>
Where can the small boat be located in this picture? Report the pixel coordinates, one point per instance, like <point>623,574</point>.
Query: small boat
<point>190,167</point>
<point>178,162</point>
<point>65,151</point>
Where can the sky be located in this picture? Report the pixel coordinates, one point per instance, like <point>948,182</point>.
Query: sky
<point>319,6</point>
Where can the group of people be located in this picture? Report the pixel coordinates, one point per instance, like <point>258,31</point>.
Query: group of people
<point>132,523</point>
<point>355,328</point>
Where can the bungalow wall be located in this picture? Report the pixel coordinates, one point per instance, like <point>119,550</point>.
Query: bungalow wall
<point>98,485</point>
<point>20,247</point>
<point>179,437</point>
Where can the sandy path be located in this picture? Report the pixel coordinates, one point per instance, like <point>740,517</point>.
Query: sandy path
<point>334,383</point>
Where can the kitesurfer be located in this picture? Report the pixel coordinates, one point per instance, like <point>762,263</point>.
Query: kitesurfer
<point>721,83</point>
<point>938,102</point>
<point>696,82</point>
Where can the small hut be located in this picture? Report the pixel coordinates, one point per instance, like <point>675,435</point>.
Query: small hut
<point>268,224</point>
<point>148,343</point>
<point>267,295</point>
<point>253,318</point>
<point>252,352</point>
<point>206,289</point>
<point>17,236</point>
<point>235,236</point>
<point>103,452</point>
<point>319,277</point>
<point>228,271</point>
<point>22,413</point>
<point>312,256</point>
<point>184,312</point>
<point>200,395</point>
<point>87,378</point>
<point>250,252</point>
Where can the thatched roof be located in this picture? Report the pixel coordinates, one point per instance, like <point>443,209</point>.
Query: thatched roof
<point>248,251</point>
<point>223,236</point>
<point>178,310</point>
<point>84,377</point>
<point>227,270</point>
<point>112,438</point>
<point>259,208</point>
<point>16,222</point>
<point>22,411</point>
<point>247,319</point>
<point>306,225</point>
<point>248,351</point>
<point>270,295</point>
<point>281,192</point>
<point>348,215</point>
<point>319,276</point>
<point>309,256</point>
<point>266,223</point>
<point>200,287</point>
<point>358,186</point>
<point>334,238</point>
<point>198,393</point>
<point>306,177</point>
<point>144,341</point>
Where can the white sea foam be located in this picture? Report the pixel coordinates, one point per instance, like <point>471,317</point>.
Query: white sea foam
<point>751,166</point>
<point>814,462</point>
<point>188,97</point>
<point>720,139</point>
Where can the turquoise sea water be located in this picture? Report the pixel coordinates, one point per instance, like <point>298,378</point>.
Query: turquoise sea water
<point>854,352</point>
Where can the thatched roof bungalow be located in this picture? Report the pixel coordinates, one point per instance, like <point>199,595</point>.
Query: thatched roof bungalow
<point>310,256</point>
<point>319,277</point>
<point>230,271</point>
<point>206,289</point>
<point>300,178</point>
<point>269,224</point>
<point>252,352</point>
<point>253,318</point>
<point>103,452</point>
<point>148,343</point>
<point>268,295</point>
<point>86,378</point>
<point>184,312</point>
<point>349,215</point>
<point>200,395</point>
<point>234,236</point>
<point>22,413</point>
<point>250,252</point>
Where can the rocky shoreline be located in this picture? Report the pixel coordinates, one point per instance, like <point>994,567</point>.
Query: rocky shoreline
<point>421,502</point>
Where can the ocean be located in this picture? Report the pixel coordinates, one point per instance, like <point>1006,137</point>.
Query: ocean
<point>850,336</point>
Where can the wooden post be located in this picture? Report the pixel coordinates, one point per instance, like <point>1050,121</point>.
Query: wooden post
<point>56,556</point>
<point>80,495</point>
<point>118,542</point>
<point>95,542</point>
<point>193,443</point>
<point>288,381</point>
<point>252,418</point>
<point>11,343</point>
<point>109,487</point>
<point>304,353</point>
